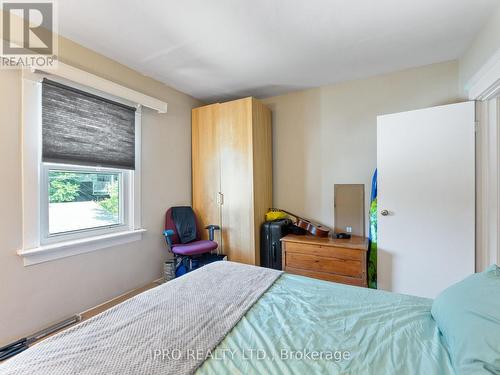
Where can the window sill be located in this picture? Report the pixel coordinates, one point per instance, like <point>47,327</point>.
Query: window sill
<point>59,250</point>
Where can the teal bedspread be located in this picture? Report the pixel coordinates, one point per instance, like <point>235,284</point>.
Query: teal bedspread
<point>306,326</point>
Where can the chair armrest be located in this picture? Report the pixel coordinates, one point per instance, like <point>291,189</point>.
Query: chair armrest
<point>168,237</point>
<point>215,227</point>
<point>211,229</point>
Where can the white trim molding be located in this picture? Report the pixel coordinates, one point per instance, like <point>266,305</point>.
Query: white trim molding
<point>31,157</point>
<point>484,87</point>
<point>488,183</point>
<point>485,84</point>
<point>82,77</point>
<point>66,249</point>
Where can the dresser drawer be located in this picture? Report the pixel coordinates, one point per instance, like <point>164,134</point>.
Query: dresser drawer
<point>328,277</point>
<point>324,251</point>
<point>339,266</point>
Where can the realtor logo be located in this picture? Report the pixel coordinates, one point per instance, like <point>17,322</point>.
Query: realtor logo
<point>28,39</point>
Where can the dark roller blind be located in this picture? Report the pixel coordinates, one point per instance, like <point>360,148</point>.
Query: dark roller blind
<point>85,129</point>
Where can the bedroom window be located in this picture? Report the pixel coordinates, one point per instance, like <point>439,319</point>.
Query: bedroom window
<point>88,153</point>
<point>81,180</point>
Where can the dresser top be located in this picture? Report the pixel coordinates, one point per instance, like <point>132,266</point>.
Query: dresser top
<point>355,242</point>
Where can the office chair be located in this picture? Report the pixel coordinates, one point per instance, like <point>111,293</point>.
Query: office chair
<point>183,237</point>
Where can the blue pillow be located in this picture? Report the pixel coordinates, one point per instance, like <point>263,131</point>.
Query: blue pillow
<point>468,316</point>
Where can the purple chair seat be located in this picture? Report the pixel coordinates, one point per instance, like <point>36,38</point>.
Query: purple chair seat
<point>193,248</point>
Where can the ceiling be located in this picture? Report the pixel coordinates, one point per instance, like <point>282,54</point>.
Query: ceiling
<point>222,49</point>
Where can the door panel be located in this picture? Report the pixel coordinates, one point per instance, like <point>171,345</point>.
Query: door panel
<point>235,120</point>
<point>426,182</point>
<point>206,167</point>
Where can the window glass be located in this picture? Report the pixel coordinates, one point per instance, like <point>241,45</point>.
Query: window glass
<point>83,200</point>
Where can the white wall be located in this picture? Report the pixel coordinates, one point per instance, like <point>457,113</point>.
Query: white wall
<point>327,135</point>
<point>36,296</point>
<point>483,47</point>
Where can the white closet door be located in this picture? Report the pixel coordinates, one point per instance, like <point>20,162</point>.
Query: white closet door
<point>426,199</point>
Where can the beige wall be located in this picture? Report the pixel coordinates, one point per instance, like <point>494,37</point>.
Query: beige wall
<point>32,297</point>
<point>327,135</point>
<point>484,46</point>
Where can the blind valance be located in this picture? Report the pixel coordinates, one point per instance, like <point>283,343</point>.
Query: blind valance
<point>86,129</point>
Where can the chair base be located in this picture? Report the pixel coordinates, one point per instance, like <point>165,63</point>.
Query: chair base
<point>188,263</point>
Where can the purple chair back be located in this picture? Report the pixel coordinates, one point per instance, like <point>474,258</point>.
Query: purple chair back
<point>169,224</point>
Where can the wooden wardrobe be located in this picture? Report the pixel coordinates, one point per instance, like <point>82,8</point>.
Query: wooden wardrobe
<point>232,173</point>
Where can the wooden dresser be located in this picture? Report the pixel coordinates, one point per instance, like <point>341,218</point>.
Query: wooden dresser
<point>342,261</point>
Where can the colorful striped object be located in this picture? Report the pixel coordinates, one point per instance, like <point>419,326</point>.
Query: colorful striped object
<point>372,253</point>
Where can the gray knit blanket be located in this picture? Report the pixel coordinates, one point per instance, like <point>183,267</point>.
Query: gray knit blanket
<point>170,329</point>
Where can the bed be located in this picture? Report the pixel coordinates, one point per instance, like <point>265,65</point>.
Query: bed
<point>383,333</point>
<point>229,318</point>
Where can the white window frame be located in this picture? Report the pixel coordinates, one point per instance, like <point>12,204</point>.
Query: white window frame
<point>484,88</point>
<point>126,178</point>
<point>38,247</point>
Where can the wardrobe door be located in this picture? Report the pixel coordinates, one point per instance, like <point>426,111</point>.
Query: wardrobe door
<point>205,167</point>
<point>262,167</point>
<point>235,120</point>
